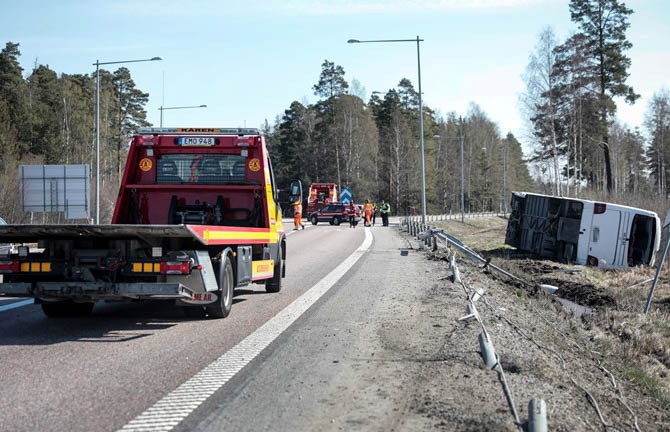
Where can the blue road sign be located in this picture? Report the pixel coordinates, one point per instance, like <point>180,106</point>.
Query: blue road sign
<point>345,196</point>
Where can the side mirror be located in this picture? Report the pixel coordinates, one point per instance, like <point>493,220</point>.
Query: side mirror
<point>295,193</point>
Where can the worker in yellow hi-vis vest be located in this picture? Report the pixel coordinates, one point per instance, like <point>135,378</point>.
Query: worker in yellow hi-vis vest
<point>297,215</point>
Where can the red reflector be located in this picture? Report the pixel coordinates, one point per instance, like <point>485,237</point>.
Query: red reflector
<point>592,261</point>
<point>176,267</point>
<point>599,208</point>
<point>9,266</point>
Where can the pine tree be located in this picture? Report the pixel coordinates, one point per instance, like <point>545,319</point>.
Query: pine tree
<point>46,102</point>
<point>15,117</point>
<point>331,82</point>
<point>603,24</point>
<point>128,115</point>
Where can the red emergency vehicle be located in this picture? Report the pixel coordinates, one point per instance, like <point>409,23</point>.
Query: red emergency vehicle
<point>321,195</point>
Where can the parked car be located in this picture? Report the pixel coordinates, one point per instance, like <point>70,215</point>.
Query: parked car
<point>334,214</point>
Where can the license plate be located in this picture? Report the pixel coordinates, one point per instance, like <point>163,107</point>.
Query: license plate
<point>196,141</point>
<point>202,298</point>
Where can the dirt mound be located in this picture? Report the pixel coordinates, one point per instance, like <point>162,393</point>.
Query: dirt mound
<point>582,294</point>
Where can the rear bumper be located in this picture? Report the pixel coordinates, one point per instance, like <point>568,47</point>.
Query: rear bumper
<point>96,290</point>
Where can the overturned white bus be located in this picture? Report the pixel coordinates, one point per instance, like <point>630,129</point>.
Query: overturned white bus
<point>582,231</point>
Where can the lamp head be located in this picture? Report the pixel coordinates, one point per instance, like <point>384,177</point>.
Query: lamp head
<point>156,58</point>
<point>353,41</point>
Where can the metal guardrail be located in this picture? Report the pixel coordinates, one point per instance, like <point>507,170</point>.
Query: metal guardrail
<point>537,411</point>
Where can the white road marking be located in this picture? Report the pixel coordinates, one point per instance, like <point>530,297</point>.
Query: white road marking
<point>177,405</point>
<point>17,305</point>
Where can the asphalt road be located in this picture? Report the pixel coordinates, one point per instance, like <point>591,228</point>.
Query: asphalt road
<point>102,371</point>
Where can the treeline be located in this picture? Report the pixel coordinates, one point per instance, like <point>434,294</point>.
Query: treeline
<point>373,148</point>
<point>572,87</point>
<point>50,118</point>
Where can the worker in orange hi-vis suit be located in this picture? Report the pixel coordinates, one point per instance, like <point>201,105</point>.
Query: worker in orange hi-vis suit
<point>297,215</point>
<point>368,209</point>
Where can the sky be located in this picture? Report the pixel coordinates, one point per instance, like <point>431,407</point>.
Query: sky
<point>249,60</point>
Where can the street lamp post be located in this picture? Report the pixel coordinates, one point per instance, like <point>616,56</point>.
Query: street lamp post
<point>423,161</point>
<point>462,182</point>
<point>97,127</point>
<point>162,108</point>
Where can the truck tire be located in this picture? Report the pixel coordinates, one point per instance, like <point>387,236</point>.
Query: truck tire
<point>336,220</point>
<point>67,309</point>
<point>226,279</point>
<point>274,285</point>
<point>315,220</point>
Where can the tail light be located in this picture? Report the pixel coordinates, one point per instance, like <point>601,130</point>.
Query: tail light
<point>599,208</point>
<point>592,261</point>
<point>176,267</point>
<point>9,267</point>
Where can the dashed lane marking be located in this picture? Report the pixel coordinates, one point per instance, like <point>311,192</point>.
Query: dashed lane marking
<point>177,405</point>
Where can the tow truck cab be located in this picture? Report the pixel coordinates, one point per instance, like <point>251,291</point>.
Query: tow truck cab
<point>200,177</point>
<point>219,183</point>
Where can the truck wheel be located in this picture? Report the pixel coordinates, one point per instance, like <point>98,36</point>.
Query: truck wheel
<point>67,309</point>
<point>336,220</point>
<point>315,220</point>
<point>274,285</point>
<point>226,280</point>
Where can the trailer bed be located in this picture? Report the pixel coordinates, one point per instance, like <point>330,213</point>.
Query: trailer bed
<point>33,233</point>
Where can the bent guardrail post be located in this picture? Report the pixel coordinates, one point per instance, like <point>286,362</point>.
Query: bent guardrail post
<point>488,352</point>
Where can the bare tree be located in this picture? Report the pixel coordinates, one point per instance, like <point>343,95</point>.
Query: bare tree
<point>540,103</point>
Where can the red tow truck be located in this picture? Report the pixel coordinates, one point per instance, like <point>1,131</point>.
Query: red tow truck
<point>197,215</point>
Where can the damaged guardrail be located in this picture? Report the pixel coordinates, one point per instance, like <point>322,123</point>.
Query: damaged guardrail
<point>537,412</point>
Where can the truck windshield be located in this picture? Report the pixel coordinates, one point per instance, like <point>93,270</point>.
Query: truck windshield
<point>201,169</point>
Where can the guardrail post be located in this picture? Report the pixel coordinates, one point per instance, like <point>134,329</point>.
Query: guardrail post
<point>537,416</point>
<point>456,277</point>
<point>434,240</point>
<point>488,353</point>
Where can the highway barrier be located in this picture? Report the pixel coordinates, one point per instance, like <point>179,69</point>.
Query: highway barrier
<point>432,237</point>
